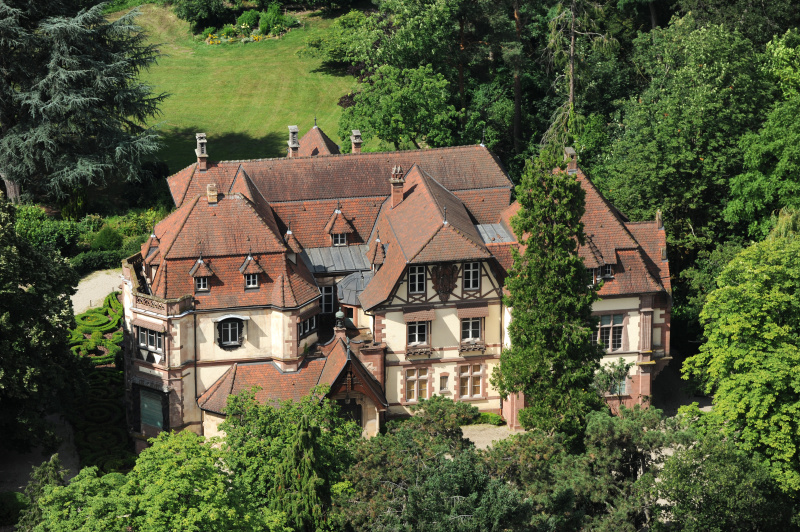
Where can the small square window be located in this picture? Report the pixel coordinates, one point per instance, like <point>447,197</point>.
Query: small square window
<point>470,329</point>
<point>251,280</point>
<point>339,239</point>
<point>607,270</point>
<point>201,283</point>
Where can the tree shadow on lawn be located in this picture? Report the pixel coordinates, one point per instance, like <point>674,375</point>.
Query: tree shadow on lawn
<point>180,143</point>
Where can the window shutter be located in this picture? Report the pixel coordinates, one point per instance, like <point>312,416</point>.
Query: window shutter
<point>219,334</point>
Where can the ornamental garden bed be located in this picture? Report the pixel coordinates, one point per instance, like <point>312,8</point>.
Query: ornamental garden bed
<point>101,437</point>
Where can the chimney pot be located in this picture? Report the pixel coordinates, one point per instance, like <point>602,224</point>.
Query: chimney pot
<point>201,151</point>
<point>211,193</point>
<point>572,160</point>
<point>294,144</point>
<point>356,141</point>
<point>398,185</point>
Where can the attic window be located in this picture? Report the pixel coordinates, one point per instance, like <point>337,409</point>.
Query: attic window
<point>251,280</point>
<point>339,239</point>
<point>607,270</point>
<point>201,284</point>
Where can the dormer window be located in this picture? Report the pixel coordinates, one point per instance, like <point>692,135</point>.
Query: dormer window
<point>251,280</point>
<point>201,284</point>
<point>339,239</point>
<point>607,271</point>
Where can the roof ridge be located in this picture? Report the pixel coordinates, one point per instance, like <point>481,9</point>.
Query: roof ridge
<point>189,210</point>
<point>366,153</point>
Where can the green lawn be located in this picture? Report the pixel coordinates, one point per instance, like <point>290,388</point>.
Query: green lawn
<point>243,96</point>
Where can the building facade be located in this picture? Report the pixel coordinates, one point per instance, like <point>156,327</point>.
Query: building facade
<point>241,285</point>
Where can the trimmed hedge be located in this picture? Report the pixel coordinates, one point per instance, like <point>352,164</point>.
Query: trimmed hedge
<point>490,419</point>
<point>97,323</point>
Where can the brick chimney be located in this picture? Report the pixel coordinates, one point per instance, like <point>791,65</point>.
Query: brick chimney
<point>398,184</point>
<point>201,151</point>
<point>294,144</point>
<point>356,141</point>
<point>211,193</point>
<point>572,160</point>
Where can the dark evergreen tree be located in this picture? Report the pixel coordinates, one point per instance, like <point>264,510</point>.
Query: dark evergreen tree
<point>49,473</point>
<point>300,490</point>
<point>72,109</point>
<point>37,371</point>
<point>553,356</point>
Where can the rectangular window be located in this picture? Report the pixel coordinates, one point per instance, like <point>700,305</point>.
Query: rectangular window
<point>416,384</point>
<point>251,280</point>
<point>339,239</point>
<point>327,298</point>
<point>150,340</point>
<point>417,332</point>
<point>609,333</point>
<point>416,279</point>
<point>201,283</point>
<point>150,409</point>
<point>469,383</point>
<point>470,329</point>
<point>230,333</point>
<point>306,327</point>
<point>472,276</point>
<point>607,270</point>
<point>444,383</point>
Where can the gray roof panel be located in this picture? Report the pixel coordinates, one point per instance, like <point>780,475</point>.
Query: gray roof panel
<point>337,259</point>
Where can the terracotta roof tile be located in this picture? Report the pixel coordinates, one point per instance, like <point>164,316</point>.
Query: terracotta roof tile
<point>316,142</point>
<point>292,243</point>
<point>463,168</point>
<point>276,385</point>
<point>376,254</point>
<point>201,269</point>
<point>250,265</point>
<point>338,224</point>
<point>654,242</point>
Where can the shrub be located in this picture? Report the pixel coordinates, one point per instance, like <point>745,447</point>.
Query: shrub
<point>271,20</point>
<point>90,261</point>
<point>11,504</point>
<point>44,232</point>
<point>108,239</point>
<point>249,18</point>
<point>491,419</point>
<point>200,13</point>
<point>228,31</point>
<point>209,31</point>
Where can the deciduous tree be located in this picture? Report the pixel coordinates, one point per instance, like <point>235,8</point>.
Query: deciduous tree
<point>751,354</point>
<point>37,371</point>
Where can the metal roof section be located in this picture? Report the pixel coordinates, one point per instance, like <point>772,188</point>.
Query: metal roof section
<point>336,259</point>
<point>494,233</point>
<point>351,287</point>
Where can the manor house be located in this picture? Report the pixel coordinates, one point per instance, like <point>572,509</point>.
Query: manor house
<point>379,275</point>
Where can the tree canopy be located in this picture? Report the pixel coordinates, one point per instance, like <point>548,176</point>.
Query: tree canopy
<point>35,318</point>
<point>751,354</point>
<point>73,109</point>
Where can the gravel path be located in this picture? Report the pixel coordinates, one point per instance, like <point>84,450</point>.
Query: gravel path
<point>485,435</point>
<point>94,288</point>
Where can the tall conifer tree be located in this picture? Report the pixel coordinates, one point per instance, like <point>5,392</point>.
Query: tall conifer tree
<point>300,490</point>
<point>553,356</point>
<point>72,109</point>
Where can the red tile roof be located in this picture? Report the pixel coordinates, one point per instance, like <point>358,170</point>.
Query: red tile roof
<point>429,225</point>
<point>376,254</point>
<point>654,242</point>
<point>462,168</point>
<point>316,142</point>
<point>338,224</point>
<point>292,243</point>
<point>277,385</point>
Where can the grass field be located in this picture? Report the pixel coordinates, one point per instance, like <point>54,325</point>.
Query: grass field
<point>243,96</point>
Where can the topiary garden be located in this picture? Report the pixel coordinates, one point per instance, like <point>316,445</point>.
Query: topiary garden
<point>99,423</point>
